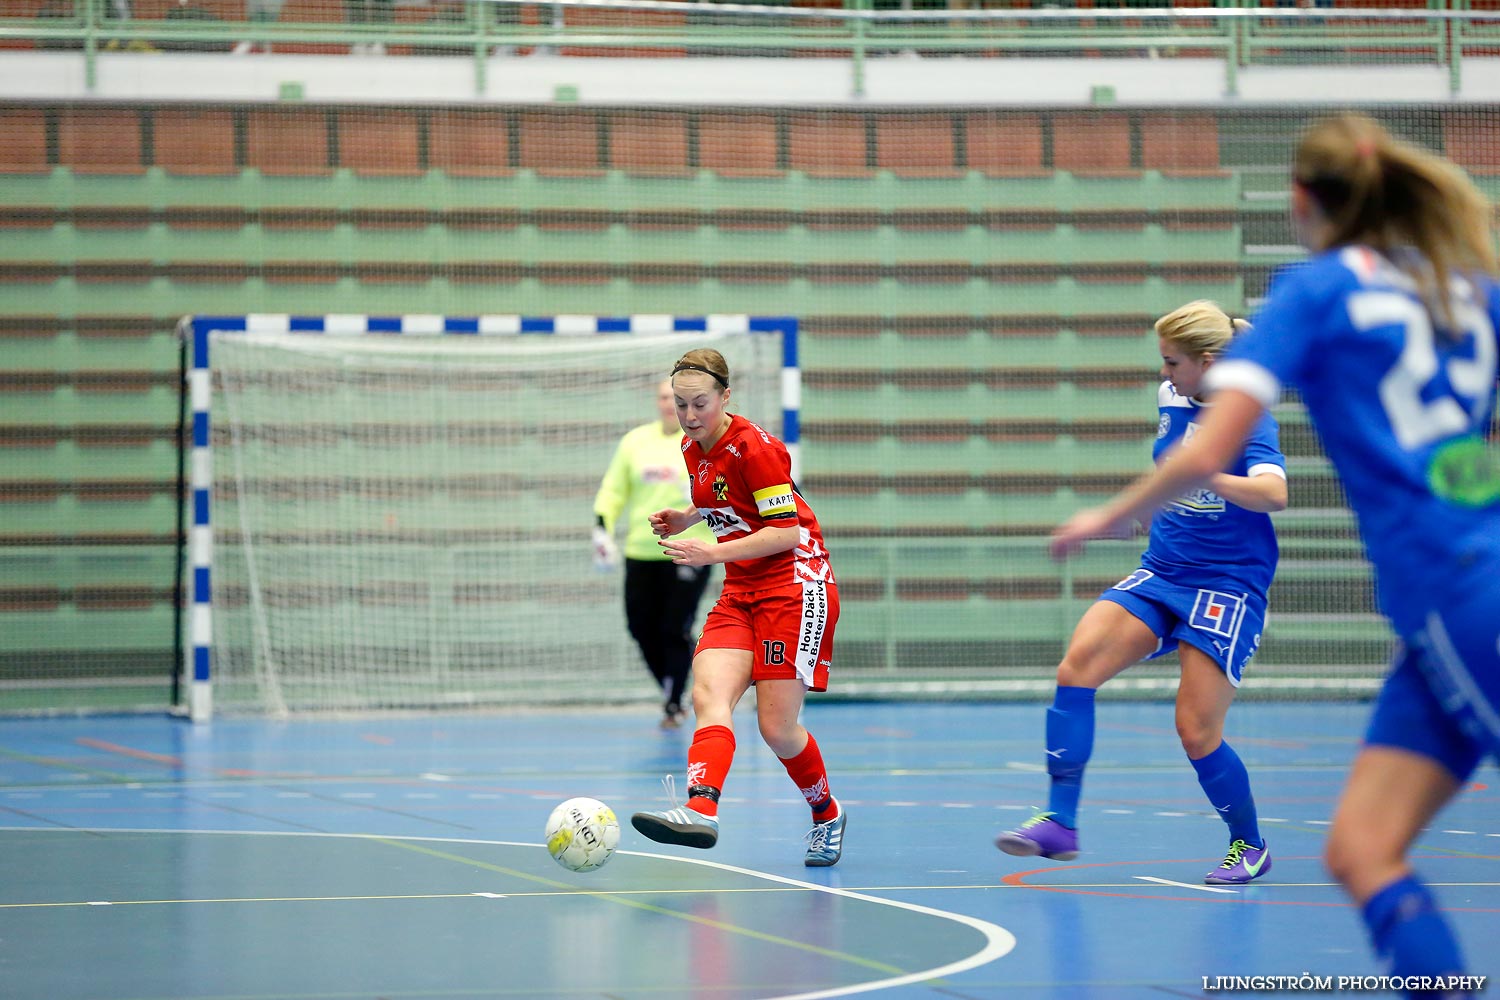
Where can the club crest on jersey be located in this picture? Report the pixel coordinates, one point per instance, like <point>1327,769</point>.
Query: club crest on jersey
<point>720,487</point>
<point>1217,613</point>
<point>1164,425</point>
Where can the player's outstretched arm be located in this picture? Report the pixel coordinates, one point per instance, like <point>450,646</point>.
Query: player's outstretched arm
<point>669,522</point>
<point>1189,464</point>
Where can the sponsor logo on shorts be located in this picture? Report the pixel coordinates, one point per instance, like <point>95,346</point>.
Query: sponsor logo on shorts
<point>1217,613</point>
<point>814,624</point>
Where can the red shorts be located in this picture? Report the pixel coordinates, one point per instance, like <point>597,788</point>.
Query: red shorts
<point>788,631</point>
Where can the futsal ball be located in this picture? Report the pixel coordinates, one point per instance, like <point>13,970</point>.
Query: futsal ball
<point>582,834</point>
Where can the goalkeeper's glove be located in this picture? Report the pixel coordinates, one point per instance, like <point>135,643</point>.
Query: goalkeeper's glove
<point>606,552</point>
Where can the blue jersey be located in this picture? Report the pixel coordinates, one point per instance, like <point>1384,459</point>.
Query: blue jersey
<point>1401,410</point>
<point>1200,539</point>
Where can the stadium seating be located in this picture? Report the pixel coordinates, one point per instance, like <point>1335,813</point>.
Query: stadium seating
<point>1093,144</point>
<point>469,144</point>
<point>100,141</point>
<point>194,142</point>
<point>288,142</point>
<point>976,290</point>
<point>649,143</point>
<point>739,144</point>
<point>379,144</point>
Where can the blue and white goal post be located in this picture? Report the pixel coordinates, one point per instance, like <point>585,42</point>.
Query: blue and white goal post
<point>404,502</point>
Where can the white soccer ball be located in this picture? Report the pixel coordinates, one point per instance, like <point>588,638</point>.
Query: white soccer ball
<point>582,834</point>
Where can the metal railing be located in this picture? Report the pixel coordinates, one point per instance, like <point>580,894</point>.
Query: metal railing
<point>1235,33</point>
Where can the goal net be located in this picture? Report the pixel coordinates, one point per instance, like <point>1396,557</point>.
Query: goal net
<point>403,521</point>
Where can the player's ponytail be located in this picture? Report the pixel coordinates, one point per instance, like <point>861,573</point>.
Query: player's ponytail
<point>1199,328</point>
<point>1377,190</point>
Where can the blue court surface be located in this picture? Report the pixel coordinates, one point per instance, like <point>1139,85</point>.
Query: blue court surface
<point>402,858</point>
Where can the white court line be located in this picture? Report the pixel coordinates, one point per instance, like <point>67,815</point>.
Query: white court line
<point>1184,885</point>
<point>999,942</point>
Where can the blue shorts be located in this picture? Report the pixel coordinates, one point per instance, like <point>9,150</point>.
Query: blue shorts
<point>1442,699</point>
<point>1226,626</point>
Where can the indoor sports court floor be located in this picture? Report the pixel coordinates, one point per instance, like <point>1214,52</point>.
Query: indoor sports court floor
<point>401,858</point>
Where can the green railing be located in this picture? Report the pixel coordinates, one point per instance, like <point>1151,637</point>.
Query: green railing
<point>1239,33</point>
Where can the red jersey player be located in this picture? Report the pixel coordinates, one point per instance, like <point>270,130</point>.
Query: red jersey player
<point>773,624</point>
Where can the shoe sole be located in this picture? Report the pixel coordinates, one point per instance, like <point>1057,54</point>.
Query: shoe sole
<point>1024,847</point>
<point>682,834</point>
<point>814,863</point>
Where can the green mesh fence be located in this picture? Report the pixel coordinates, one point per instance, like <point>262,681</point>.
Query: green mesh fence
<point>975,284</point>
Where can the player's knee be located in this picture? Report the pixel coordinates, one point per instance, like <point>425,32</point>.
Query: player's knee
<point>783,736</point>
<point>1200,737</point>
<point>1341,859</point>
<point>707,702</point>
<point>1078,669</point>
<point>1354,858</point>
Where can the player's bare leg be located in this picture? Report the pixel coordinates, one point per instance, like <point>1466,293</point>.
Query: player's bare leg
<point>1391,795</point>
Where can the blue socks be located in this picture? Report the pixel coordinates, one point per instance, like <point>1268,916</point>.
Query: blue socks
<point>1227,784</point>
<point>1070,742</point>
<point>1406,926</point>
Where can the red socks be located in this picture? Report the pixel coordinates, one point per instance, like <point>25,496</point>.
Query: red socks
<point>712,752</point>
<point>708,765</point>
<point>807,771</point>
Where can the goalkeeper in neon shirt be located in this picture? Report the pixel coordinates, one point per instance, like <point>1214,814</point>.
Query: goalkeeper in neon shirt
<point>661,599</point>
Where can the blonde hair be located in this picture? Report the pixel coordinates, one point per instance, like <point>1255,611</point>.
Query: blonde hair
<point>1377,190</point>
<point>1199,328</point>
<point>706,360</point>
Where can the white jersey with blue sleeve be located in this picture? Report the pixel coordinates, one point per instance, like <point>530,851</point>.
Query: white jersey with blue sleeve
<point>1402,411</point>
<point>1201,539</point>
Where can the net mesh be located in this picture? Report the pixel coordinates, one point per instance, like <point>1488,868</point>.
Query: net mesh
<point>403,522</point>
<point>976,245</point>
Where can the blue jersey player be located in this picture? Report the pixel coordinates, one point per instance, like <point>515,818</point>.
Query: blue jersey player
<point>1200,590</point>
<point>1388,332</point>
